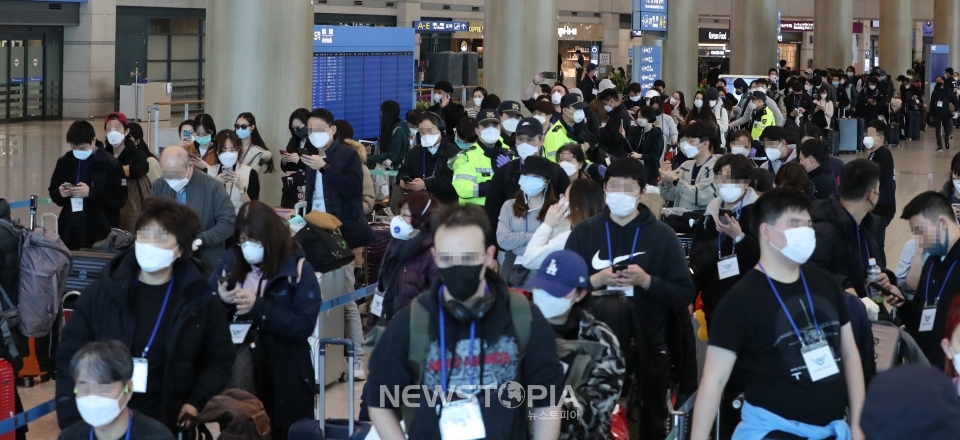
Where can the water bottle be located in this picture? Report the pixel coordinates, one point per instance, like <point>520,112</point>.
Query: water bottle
<point>873,272</point>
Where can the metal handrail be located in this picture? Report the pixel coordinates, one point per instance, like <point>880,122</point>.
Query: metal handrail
<point>186,105</point>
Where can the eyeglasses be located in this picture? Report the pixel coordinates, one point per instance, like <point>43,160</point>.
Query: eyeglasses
<point>238,127</point>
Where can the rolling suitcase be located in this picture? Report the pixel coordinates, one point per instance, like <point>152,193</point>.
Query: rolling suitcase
<point>851,134</point>
<point>334,429</point>
<point>373,252</point>
<point>7,395</point>
<point>893,134</point>
<point>833,139</point>
<point>912,124</point>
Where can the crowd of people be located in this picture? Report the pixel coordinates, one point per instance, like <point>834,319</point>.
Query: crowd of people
<point>526,254</point>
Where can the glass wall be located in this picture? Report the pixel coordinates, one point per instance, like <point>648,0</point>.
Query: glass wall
<point>31,72</point>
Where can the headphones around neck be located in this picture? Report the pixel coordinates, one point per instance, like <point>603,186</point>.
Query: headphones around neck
<point>463,313</point>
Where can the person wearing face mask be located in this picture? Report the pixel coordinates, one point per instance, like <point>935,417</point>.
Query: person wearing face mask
<point>758,113</point>
<point>775,151</point>
<point>633,96</point>
<point>588,83</point>
<point>886,83</point>
<point>719,113</point>
<point>521,216</point>
<point>294,178</point>
<point>470,314</point>
<point>845,227</point>
<point>872,101</point>
<point>103,372</point>
<point>394,140</point>
<point>505,184</point>
<point>951,188</point>
<point>423,169</point>
<point>89,186</point>
<point>204,129</point>
<point>800,104</point>
<point>583,200</point>
<point>255,155</point>
<point>814,157</point>
<point>271,298</point>
<point>165,315</point>
<point>473,168</point>
<point>664,122</point>
<point>241,181</point>
<point>477,98</point>
<point>646,142</point>
<point>543,111</point>
<point>618,116</point>
<point>910,94</point>
<point>700,112</point>
<point>559,289</point>
<point>570,158</point>
<point>823,112</point>
<point>691,186</point>
<point>875,143</point>
<point>134,163</point>
<point>940,102</point>
<point>448,110</point>
<point>630,250</point>
<point>778,319</point>
<point>571,127</point>
<point>760,85</point>
<point>598,107</point>
<point>510,117</point>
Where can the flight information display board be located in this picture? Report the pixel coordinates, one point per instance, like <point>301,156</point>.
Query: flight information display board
<point>355,69</point>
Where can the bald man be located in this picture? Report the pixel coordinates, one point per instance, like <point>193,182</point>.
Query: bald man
<point>205,194</point>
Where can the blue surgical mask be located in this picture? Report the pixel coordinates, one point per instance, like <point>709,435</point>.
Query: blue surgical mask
<point>463,144</point>
<point>202,140</point>
<point>939,248</point>
<point>243,133</point>
<point>835,83</point>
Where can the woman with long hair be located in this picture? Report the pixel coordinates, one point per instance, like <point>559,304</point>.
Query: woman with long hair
<point>241,181</point>
<point>135,167</point>
<point>136,134</point>
<point>520,217</point>
<point>701,111</point>
<point>679,103</point>
<point>255,155</point>
<point>292,191</point>
<point>272,299</point>
<point>204,129</point>
<point>584,199</point>
<point>394,139</point>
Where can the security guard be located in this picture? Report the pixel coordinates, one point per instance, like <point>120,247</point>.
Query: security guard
<point>473,168</point>
<point>569,129</point>
<point>509,119</point>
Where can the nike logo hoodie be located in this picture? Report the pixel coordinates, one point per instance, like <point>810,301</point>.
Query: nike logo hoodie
<point>658,252</point>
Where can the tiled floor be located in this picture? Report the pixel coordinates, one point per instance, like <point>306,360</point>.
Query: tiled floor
<point>29,151</point>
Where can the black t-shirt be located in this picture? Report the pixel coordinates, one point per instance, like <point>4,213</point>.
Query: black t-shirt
<point>142,428</point>
<point>146,302</point>
<point>751,323</point>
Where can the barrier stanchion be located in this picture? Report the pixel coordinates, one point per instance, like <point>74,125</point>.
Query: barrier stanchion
<point>22,419</point>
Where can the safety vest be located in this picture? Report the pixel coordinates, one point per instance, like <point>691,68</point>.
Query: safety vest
<point>556,138</point>
<point>765,121</point>
<point>471,167</point>
<point>234,190</point>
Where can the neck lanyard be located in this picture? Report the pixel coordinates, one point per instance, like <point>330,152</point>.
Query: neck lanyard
<point>80,166</point>
<point>129,426</point>
<point>787,311</point>
<point>232,185</point>
<point>926,292</point>
<point>425,152</point>
<point>797,100</point>
<point>720,236</point>
<point>610,246</point>
<point>443,345</point>
<point>159,317</point>
<point>245,152</point>
<point>860,245</point>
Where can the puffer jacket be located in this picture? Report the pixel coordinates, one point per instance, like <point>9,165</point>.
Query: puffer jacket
<point>407,269</point>
<point>837,244</point>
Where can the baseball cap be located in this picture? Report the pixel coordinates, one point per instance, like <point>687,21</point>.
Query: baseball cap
<point>511,108</point>
<point>883,72</point>
<point>487,115</point>
<point>606,84</point>
<point>529,127</point>
<point>911,401</point>
<point>759,95</point>
<point>561,272</point>
<point>651,94</point>
<point>539,166</point>
<point>118,116</point>
<point>573,100</point>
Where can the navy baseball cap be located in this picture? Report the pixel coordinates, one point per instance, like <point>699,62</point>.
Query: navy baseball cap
<point>488,116</point>
<point>573,100</point>
<point>561,272</point>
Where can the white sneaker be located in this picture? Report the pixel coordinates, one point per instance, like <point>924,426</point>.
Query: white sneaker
<point>359,372</point>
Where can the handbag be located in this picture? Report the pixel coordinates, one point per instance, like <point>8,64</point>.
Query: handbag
<point>116,242</point>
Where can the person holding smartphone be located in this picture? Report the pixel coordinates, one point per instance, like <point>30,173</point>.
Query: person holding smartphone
<point>449,111</point>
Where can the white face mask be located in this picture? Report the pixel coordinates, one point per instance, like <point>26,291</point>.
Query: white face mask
<point>541,118</point>
<point>773,77</point>
<point>400,229</point>
<point>532,185</point>
<point>429,140</point>
<point>730,193</point>
<point>320,139</point>
<point>956,361</point>
<point>490,135</point>
<point>433,149</point>
<point>228,158</point>
<point>713,103</point>
<point>510,125</point>
<point>568,168</point>
<point>177,185</point>
<point>635,98</point>
<point>872,87</point>
<point>115,138</point>
<point>743,151</point>
<point>526,150</point>
<point>153,258</point>
<point>579,116</point>
<point>555,98</point>
<point>800,244</point>
<point>823,96</point>
<point>99,410</point>
<point>674,101</point>
<point>82,154</point>
<point>437,97</point>
<point>688,150</point>
<point>956,185</point>
<point>549,305</point>
<point>772,153</point>
<point>477,101</point>
<point>642,123</point>
<point>698,103</point>
<point>620,204</point>
<point>252,252</point>
<point>607,108</point>
<point>868,142</point>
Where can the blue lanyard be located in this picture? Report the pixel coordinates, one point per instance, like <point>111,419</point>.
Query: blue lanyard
<point>633,248</point>
<point>159,317</point>
<point>232,185</point>
<point>942,286</point>
<point>425,152</point>
<point>129,426</point>
<point>787,311</point>
<point>443,345</point>
<point>733,251</point>
<point>859,244</point>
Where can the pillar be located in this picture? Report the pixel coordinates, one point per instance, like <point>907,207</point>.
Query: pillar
<point>88,61</point>
<point>833,21</point>
<point>946,28</point>
<point>680,60</point>
<point>863,47</point>
<point>753,36</point>
<point>520,39</point>
<point>611,36</point>
<point>896,33</point>
<point>408,11</point>
<point>260,61</point>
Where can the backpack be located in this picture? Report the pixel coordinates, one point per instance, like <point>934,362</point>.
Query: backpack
<point>420,339</point>
<point>240,415</point>
<point>44,266</point>
<point>323,245</point>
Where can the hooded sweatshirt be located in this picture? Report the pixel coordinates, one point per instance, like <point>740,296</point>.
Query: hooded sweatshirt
<point>843,248</point>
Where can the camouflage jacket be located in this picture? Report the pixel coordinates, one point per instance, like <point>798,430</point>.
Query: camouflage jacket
<point>594,366</point>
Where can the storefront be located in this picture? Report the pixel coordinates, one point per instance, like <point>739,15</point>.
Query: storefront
<point>469,41</point>
<point>585,37</point>
<point>714,47</point>
<point>789,47</point>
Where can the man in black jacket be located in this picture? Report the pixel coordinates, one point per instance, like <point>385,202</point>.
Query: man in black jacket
<point>618,117</point>
<point>814,157</point>
<point>651,270</point>
<point>872,101</point>
<point>875,142</point>
<point>800,105</point>
<point>940,102</point>
<point>89,186</point>
<point>451,112</point>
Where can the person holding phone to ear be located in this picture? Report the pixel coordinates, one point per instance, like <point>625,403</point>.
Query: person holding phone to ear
<point>449,111</point>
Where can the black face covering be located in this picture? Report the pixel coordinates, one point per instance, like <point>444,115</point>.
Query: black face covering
<point>461,281</point>
<point>300,132</point>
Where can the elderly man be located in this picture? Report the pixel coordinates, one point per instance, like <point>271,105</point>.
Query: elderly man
<point>205,194</point>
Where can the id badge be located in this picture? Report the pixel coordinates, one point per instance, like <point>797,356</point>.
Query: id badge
<point>820,361</point>
<point>728,267</point>
<point>76,204</point>
<point>139,375</point>
<point>238,331</point>
<point>461,420</point>
<point>377,307</point>
<point>627,290</point>
<point>939,103</point>
<point>928,317</point>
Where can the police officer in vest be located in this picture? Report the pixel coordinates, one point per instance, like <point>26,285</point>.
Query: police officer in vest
<point>510,117</point>
<point>473,168</point>
<point>570,128</point>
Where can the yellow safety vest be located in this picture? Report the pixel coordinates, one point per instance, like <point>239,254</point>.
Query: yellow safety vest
<point>556,138</point>
<point>766,120</point>
<point>471,168</point>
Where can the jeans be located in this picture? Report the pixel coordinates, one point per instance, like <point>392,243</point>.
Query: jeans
<point>947,123</point>
<point>353,328</point>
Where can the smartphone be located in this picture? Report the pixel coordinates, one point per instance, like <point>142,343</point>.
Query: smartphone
<point>619,267</point>
<point>723,215</point>
<point>187,134</point>
<point>880,289</point>
<point>549,75</point>
<point>231,284</point>
<point>68,185</point>
<point>303,152</point>
<point>407,179</point>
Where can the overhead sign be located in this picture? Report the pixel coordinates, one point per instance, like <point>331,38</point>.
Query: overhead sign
<point>714,35</point>
<point>928,28</point>
<point>636,34</point>
<point>659,6</point>
<point>604,58</point>
<point>649,15</point>
<point>647,62</point>
<point>794,25</point>
<point>440,26</point>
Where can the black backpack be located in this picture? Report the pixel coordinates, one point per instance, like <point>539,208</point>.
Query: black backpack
<point>324,250</point>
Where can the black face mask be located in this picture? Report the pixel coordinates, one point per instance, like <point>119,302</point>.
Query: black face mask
<point>300,132</point>
<point>461,281</point>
